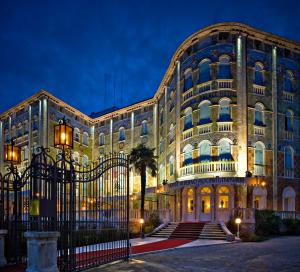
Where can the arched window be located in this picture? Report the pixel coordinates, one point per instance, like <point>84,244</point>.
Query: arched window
<point>121,134</point>
<point>85,138</point>
<point>288,199</point>
<point>224,110</point>
<point>205,151</point>
<point>288,120</point>
<point>76,157</point>
<point>204,113</point>
<point>224,70</point>
<point>223,197</point>
<point>188,119</point>
<point>259,153</point>
<point>288,159</point>
<point>225,149</point>
<point>258,74</point>
<point>85,160</point>
<point>188,80</point>
<point>144,128</point>
<point>172,133</point>
<point>171,162</point>
<point>288,81</point>
<point>101,139</point>
<point>259,115</point>
<point>188,154</point>
<point>259,198</point>
<point>204,71</point>
<point>76,135</point>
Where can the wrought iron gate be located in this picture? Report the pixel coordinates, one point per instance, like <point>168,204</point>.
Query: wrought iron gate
<point>88,205</point>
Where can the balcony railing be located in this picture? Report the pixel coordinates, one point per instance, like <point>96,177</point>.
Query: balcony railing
<point>203,87</point>
<point>204,129</point>
<point>288,135</point>
<point>208,167</point>
<point>224,126</point>
<point>289,173</point>
<point>187,134</point>
<point>287,96</point>
<point>224,83</point>
<point>260,90</point>
<point>187,95</point>
<point>259,170</point>
<point>258,130</point>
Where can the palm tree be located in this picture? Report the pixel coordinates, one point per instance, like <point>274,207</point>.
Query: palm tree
<point>142,157</point>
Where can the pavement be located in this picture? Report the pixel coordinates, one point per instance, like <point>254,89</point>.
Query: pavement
<point>278,254</point>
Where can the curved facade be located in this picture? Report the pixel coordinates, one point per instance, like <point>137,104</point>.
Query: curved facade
<point>224,122</point>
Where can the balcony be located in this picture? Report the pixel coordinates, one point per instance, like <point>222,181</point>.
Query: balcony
<point>259,170</point>
<point>258,130</point>
<point>289,173</point>
<point>288,96</point>
<point>204,129</point>
<point>188,95</point>
<point>187,133</point>
<point>224,83</point>
<point>224,126</point>
<point>208,167</point>
<point>259,90</point>
<point>203,87</point>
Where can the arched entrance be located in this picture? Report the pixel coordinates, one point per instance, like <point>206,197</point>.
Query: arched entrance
<point>205,204</point>
<point>288,199</point>
<point>224,204</point>
<point>189,205</point>
<point>259,198</point>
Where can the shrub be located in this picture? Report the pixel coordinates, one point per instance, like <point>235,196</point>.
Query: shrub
<point>267,223</point>
<point>148,229</point>
<point>153,220</point>
<point>290,227</point>
<point>251,237</point>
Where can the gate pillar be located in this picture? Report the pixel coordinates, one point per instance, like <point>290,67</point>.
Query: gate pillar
<point>42,251</point>
<point>2,257</point>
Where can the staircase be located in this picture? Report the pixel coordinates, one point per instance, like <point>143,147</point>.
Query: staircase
<point>166,231</point>
<point>212,231</point>
<point>188,230</point>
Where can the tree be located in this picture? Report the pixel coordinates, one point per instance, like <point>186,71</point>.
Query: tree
<point>142,157</point>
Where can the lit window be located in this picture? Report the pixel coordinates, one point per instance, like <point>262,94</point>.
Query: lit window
<point>101,139</point>
<point>144,129</point>
<point>85,139</point>
<point>259,153</point>
<point>204,71</point>
<point>121,134</point>
<point>259,114</point>
<point>205,151</point>
<point>223,196</point>
<point>224,110</point>
<point>224,70</point>
<point>188,119</point>
<point>204,113</point>
<point>190,200</point>
<point>258,74</point>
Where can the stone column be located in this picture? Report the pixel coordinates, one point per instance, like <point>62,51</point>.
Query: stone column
<point>177,111</point>
<point>242,107</point>
<point>42,251</point>
<point>2,240</point>
<point>274,125</point>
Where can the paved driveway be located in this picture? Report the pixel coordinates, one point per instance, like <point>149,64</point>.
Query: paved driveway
<point>279,254</point>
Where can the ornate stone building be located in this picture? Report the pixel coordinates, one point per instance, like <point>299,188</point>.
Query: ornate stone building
<point>224,123</point>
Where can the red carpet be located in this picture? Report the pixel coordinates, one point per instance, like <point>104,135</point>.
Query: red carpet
<point>159,245</point>
<point>110,254</point>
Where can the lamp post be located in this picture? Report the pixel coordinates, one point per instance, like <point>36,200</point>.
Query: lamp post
<point>238,222</point>
<point>141,221</point>
<point>63,135</point>
<point>12,153</point>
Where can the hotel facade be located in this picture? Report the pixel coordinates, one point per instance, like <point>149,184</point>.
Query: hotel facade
<point>224,123</point>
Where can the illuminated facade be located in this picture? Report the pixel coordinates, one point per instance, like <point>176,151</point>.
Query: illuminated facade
<point>224,123</point>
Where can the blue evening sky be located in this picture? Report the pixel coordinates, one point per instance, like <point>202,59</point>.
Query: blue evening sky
<point>97,54</point>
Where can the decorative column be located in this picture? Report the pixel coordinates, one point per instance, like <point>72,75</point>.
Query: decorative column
<point>177,112</point>
<point>29,132</point>
<point>2,241</point>
<point>214,204</point>
<point>42,251</point>
<point>274,125</point>
<point>166,129</point>
<point>242,106</point>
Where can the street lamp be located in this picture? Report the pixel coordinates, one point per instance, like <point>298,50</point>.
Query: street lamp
<point>63,135</point>
<point>238,222</point>
<point>142,221</point>
<point>12,153</point>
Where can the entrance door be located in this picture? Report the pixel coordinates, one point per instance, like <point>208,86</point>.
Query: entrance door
<point>190,205</point>
<point>205,210</point>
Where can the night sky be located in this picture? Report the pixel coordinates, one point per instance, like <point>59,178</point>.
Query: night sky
<point>96,54</point>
